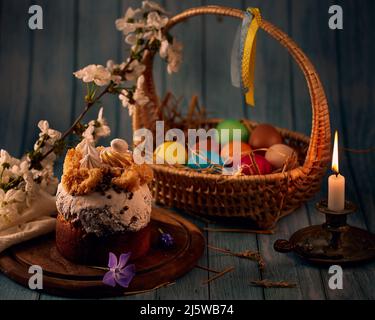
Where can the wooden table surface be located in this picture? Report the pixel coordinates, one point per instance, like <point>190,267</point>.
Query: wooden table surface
<point>36,82</point>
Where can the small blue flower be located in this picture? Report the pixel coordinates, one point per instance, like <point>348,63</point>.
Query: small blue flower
<point>166,239</point>
<point>119,273</point>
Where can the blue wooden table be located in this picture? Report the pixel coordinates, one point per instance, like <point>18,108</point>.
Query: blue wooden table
<point>36,82</point>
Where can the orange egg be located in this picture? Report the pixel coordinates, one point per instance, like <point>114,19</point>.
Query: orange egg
<point>238,147</point>
<point>206,145</point>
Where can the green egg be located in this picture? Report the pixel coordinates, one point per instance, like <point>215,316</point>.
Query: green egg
<point>230,125</point>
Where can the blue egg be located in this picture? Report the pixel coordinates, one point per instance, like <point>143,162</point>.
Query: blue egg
<point>204,160</point>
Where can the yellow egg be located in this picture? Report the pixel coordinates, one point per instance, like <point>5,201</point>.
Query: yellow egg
<point>170,152</point>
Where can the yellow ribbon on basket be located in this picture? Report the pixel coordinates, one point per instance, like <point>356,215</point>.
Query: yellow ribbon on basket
<point>248,57</point>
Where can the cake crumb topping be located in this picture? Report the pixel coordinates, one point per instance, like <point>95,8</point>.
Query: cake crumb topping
<point>120,175</point>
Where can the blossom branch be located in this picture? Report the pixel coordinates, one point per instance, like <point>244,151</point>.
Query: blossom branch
<point>143,29</point>
<point>88,106</point>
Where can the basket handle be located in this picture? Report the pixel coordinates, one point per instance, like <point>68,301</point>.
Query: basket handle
<point>319,150</point>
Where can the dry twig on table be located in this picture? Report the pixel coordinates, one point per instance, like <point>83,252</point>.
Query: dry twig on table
<point>206,269</point>
<point>219,275</point>
<point>273,284</point>
<point>247,254</point>
<point>166,284</point>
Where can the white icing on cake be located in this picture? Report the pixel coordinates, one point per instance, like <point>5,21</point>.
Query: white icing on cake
<point>91,158</point>
<point>112,211</point>
<point>119,145</point>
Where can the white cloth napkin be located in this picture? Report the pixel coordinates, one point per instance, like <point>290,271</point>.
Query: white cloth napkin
<point>26,231</point>
<point>33,222</point>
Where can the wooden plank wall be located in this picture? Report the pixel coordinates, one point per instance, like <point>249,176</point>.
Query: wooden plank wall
<point>36,82</point>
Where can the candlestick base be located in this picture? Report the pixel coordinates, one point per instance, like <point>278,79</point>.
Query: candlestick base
<point>334,242</point>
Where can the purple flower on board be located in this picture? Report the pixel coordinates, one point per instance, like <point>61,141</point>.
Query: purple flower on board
<point>166,239</point>
<point>119,272</point>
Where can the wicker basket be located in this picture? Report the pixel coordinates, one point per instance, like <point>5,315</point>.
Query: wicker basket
<point>264,199</point>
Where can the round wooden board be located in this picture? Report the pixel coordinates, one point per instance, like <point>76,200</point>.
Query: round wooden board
<point>64,278</point>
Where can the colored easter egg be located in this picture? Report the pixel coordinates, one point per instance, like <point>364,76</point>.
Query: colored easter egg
<point>170,152</point>
<point>206,144</point>
<point>264,136</point>
<point>249,168</point>
<point>238,147</point>
<point>279,154</point>
<point>204,159</point>
<point>225,132</point>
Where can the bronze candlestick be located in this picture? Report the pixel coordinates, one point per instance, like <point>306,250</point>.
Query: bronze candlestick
<point>334,242</point>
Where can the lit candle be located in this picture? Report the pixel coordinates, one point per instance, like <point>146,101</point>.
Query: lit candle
<point>336,182</point>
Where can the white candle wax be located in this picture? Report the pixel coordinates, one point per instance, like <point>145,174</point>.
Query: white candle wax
<point>336,192</point>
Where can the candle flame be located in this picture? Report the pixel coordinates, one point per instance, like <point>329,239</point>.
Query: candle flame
<point>335,158</point>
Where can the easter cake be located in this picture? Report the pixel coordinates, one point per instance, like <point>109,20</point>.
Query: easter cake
<point>104,204</point>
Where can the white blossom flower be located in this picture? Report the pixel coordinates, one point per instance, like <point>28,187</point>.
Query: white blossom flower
<point>129,22</point>
<point>152,6</point>
<point>20,169</point>
<point>134,70</point>
<point>131,103</point>
<point>97,128</point>
<point>101,126</point>
<point>29,182</point>
<point>154,26</point>
<point>8,164</point>
<point>125,27</point>
<point>174,56</point>
<point>124,98</point>
<point>163,51</point>
<point>131,39</point>
<point>5,157</point>
<point>154,20</point>
<point>45,129</point>
<point>112,66</point>
<point>131,109</point>
<point>152,34</point>
<point>147,24</point>
<point>94,73</point>
<point>88,134</point>
<point>116,79</point>
<point>11,196</point>
<point>46,179</point>
<point>48,137</point>
<point>139,96</point>
<point>115,69</point>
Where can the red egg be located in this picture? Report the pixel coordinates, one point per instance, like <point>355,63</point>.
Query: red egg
<point>249,168</point>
